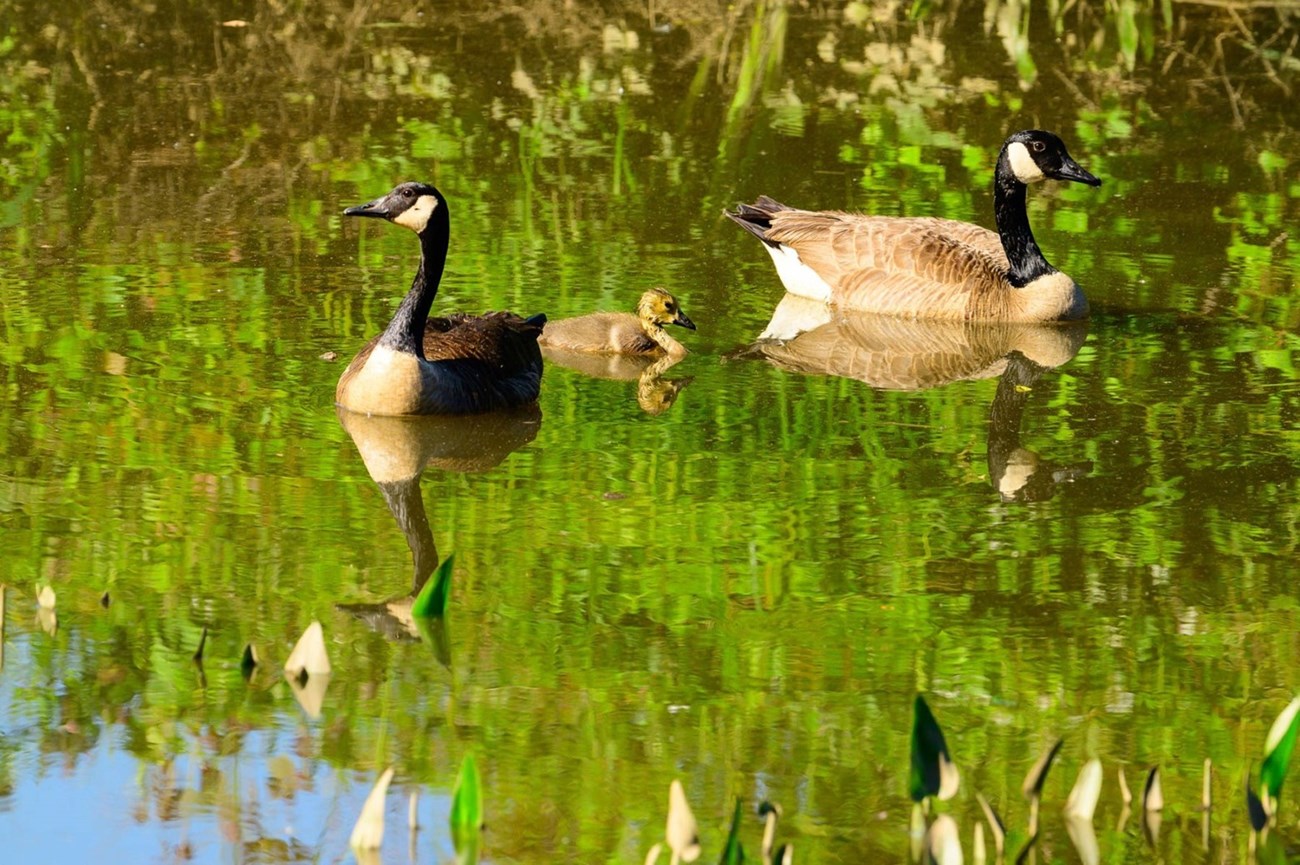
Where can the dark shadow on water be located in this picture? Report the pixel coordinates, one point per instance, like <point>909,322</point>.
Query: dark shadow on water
<point>889,353</point>
<point>396,451</point>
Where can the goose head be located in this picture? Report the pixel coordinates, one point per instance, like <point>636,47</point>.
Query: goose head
<point>1034,155</point>
<point>658,307</point>
<point>410,205</point>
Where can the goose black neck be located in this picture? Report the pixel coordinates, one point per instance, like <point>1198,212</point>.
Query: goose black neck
<point>1024,256</point>
<point>405,332</point>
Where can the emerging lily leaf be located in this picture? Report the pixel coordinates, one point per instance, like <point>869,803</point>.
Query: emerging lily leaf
<point>368,834</point>
<point>1032,787</point>
<point>308,655</point>
<point>435,594</point>
<point>1153,797</point>
<point>1084,838</point>
<point>467,805</point>
<point>1082,802</point>
<point>681,831</point>
<point>998,830</point>
<point>1207,793</point>
<point>1255,808</point>
<point>1277,753</point>
<point>1125,796</point>
<point>248,662</point>
<point>943,843</point>
<point>733,853</point>
<point>933,772</point>
<point>769,811</point>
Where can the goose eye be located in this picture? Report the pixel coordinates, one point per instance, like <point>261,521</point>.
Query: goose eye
<point>1038,146</point>
<point>407,193</point>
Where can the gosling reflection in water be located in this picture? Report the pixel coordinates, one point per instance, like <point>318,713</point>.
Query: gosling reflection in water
<point>624,347</point>
<point>396,451</point>
<point>654,393</point>
<point>890,353</point>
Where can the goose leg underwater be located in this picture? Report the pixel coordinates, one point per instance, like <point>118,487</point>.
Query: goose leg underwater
<point>928,267</point>
<point>458,364</point>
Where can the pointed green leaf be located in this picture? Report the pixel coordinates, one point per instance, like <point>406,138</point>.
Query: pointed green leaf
<point>466,804</point>
<point>1278,748</point>
<point>733,853</point>
<point>933,773</point>
<point>433,598</point>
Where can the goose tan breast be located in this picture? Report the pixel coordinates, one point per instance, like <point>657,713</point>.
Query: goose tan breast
<point>389,383</point>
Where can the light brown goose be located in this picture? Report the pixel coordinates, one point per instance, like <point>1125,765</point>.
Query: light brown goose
<point>459,364</point>
<point>928,267</point>
<point>622,332</point>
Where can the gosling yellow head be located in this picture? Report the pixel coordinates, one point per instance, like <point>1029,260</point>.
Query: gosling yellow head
<point>658,307</point>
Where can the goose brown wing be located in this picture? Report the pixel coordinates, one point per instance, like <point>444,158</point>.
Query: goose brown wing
<point>894,265</point>
<point>502,340</point>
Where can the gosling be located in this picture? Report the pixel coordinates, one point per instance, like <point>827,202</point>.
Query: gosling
<point>622,333</point>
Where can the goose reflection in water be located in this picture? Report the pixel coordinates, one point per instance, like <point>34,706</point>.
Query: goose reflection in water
<point>396,451</point>
<point>654,393</point>
<point>891,353</point>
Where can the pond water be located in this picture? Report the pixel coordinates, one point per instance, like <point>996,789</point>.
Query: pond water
<point>737,572</point>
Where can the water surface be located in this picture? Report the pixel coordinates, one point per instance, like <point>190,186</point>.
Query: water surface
<point>737,573</point>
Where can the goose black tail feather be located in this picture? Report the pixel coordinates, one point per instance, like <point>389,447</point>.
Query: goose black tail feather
<point>756,218</point>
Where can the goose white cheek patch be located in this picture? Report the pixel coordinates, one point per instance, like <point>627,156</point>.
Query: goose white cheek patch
<point>416,217</point>
<point>1023,165</point>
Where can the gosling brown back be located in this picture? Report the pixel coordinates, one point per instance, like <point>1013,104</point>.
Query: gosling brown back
<point>622,333</point>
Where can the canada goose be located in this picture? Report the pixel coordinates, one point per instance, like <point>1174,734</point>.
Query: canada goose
<point>453,365</point>
<point>623,332</point>
<point>928,267</point>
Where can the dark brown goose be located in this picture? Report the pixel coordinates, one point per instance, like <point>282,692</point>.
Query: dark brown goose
<point>458,364</point>
<point>623,333</point>
<point>928,267</point>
